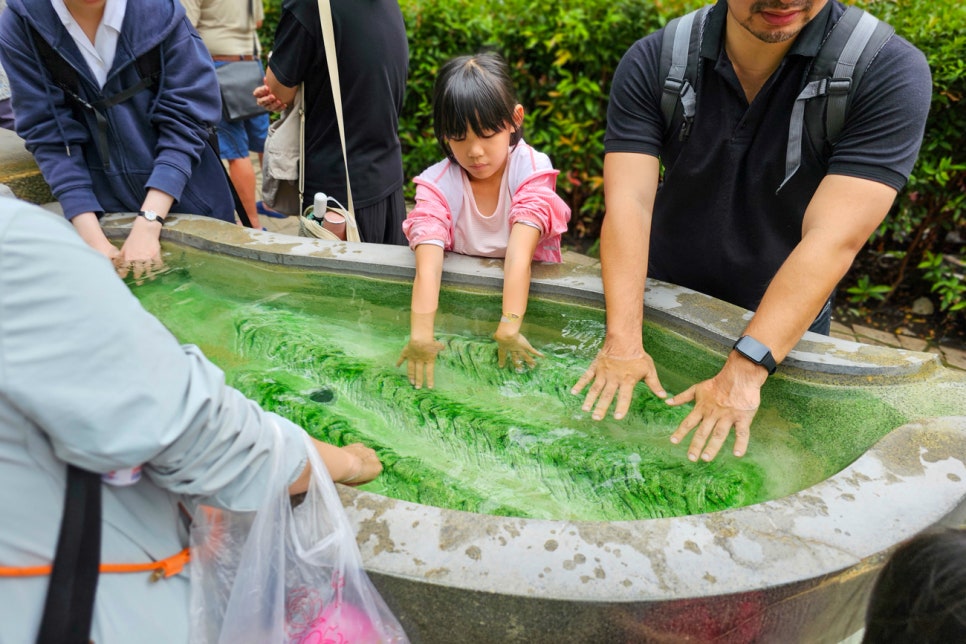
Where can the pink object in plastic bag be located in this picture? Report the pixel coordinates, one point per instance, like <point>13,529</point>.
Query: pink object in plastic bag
<point>339,623</point>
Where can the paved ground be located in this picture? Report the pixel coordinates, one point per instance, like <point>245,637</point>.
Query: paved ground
<point>951,356</point>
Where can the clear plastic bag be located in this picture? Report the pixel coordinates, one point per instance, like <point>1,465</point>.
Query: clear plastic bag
<point>285,574</point>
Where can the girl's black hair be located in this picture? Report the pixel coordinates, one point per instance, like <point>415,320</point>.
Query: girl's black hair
<point>920,594</point>
<point>473,92</point>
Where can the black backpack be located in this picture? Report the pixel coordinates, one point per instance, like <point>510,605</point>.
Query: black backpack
<point>823,103</point>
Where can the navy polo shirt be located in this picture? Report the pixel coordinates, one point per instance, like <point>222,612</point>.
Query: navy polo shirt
<point>719,224</point>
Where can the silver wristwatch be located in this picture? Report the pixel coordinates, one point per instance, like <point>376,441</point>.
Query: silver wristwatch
<point>150,215</point>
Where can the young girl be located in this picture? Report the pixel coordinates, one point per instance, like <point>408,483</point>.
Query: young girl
<point>493,196</point>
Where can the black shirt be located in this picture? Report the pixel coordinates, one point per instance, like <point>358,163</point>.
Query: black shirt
<point>718,225</point>
<point>373,65</point>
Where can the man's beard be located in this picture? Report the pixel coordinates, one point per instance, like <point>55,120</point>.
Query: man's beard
<point>779,34</point>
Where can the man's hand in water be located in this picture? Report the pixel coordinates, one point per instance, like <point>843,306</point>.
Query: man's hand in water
<point>730,399</point>
<point>517,348</point>
<point>610,376</point>
<point>421,357</point>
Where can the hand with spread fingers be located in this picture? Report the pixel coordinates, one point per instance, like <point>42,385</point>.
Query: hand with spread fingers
<point>140,271</point>
<point>515,347</point>
<point>728,400</point>
<point>421,357</point>
<point>609,376</point>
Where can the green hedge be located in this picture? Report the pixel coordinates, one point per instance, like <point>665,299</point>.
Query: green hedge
<point>563,56</point>
<point>924,235</point>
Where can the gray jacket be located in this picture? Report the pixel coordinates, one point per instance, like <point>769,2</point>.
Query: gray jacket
<point>88,377</point>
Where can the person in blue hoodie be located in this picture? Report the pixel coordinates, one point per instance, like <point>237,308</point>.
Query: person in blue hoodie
<point>121,135</point>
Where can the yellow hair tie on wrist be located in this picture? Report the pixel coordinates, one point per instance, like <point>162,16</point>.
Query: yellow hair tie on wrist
<point>509,317</point>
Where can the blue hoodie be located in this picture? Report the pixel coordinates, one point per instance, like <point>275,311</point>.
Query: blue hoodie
<point>157,138</point>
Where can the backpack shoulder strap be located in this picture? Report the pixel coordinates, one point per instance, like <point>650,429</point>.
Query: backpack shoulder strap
<point>867,36</point>
<point>65,77</point>
<point>148,65</point>
<point>680,53</point>
<point>846,53</point>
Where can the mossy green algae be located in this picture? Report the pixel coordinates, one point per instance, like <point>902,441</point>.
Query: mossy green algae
<point>321,349</point>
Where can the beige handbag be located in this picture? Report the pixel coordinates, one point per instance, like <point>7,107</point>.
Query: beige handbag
<point>283,183</point>
<point>310,225</point>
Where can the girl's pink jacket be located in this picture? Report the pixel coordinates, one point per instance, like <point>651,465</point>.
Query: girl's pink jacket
<point>532,182</point>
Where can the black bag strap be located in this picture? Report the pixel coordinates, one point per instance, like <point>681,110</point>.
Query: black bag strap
<point>239,206</point>
<point>69,607</point>
<point>680,55</point>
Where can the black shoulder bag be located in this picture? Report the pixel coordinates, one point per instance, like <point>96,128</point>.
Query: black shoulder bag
<point>69,607</point>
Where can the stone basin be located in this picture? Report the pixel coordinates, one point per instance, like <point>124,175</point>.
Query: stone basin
<point>791,569</point>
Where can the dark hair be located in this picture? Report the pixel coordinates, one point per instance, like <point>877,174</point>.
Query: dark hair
<point>473,92</point>
<point>920,594</point>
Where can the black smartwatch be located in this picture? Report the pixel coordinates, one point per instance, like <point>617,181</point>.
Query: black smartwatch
<point>756,352</point>
<point>150,215</point>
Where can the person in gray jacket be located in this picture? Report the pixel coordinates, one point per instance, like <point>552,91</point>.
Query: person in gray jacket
<point>89,378</point>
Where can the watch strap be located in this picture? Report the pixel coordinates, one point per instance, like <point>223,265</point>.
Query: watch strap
<point>757,352</point>
<point>150,215</point>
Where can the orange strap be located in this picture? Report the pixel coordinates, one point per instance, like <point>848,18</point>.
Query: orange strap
<point>162,568</point>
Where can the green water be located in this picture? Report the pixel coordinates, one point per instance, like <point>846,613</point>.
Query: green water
<point>320,349</point>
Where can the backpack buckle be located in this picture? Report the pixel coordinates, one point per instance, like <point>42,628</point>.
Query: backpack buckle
<point>838,86</point>
<point>674,86</point>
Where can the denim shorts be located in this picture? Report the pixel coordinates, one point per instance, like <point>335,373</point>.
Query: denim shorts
<point>237,139</point>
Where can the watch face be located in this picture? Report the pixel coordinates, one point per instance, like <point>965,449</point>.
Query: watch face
<point>150,215</point>
<point>756,351</point>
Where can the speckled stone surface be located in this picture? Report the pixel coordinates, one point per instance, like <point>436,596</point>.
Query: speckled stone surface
<point>19,171</point>
<point>795,569</point>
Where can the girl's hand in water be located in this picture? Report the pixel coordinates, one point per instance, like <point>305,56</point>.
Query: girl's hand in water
<point>517,348</point>
<point>422,361</point>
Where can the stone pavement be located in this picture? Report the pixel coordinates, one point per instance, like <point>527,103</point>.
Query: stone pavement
<point>953,357</point>
<point>18,171</point>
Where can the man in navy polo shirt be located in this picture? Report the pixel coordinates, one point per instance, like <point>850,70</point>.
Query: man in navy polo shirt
<point>718,222</point>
